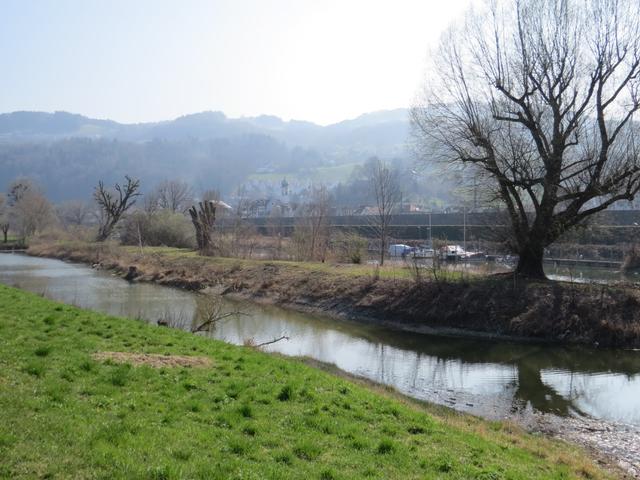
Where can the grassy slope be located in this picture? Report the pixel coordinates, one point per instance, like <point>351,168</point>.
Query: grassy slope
<point>321,174</point>
<point>63,414</point>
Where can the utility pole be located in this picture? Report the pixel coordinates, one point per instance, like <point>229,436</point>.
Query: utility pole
<point>464,228</point>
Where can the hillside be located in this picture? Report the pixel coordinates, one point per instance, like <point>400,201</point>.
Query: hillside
<point>68,153</point>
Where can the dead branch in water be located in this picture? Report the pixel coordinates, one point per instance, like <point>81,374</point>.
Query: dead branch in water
<point>251,342</point>
<point>210,309</point>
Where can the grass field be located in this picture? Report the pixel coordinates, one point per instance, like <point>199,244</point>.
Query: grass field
<point>66,414</point>
<point>319,175</point>
<point>395,269</point>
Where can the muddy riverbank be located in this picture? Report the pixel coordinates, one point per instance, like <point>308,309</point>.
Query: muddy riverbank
<point>600,315</point>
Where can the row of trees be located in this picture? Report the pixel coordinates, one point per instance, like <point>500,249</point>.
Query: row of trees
<point>312,233</point>
<point>25,211</point>
<point>161,218</point>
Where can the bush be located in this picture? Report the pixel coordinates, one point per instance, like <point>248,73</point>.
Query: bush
<point>350,248</point>
<point>162,228</point>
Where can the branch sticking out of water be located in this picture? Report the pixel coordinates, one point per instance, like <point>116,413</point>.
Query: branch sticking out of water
<point>211,321</point>
<point>251,342</point>
<point>211,314</point>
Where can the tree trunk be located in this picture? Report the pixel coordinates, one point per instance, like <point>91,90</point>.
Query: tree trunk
<point>530,261</point>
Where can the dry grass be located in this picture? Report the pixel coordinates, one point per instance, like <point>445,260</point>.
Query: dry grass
<point>153,360</point>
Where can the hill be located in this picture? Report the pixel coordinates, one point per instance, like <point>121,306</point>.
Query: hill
<point>68,153</point>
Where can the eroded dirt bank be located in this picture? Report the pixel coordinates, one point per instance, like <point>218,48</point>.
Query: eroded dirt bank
<point>607,316</point>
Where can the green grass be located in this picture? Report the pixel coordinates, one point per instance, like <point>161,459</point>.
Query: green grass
<point>390,270</point>
<point>251,415</point>
<point>332,174</point>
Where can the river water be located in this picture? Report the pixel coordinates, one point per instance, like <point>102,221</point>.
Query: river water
<point>493,379</point>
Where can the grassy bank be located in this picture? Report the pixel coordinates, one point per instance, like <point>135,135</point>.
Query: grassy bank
<point>68,410</point>
<point>495,305</point>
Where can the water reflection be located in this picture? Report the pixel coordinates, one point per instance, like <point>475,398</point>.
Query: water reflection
<point>493,379</point>
<point>588,274</point>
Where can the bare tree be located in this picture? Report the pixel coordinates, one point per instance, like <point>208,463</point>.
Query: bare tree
<point>73,212</point>
<point>203,219</point>
<point>174,195</point>
<point>311,235</point>
<point>18,188</point>
<point>538,98</point>
<point>211,195</point>
<point>32,212</point>
<point>113,204</point>
<point>242,235</point>
<point>386,191</point>
<point>318,219</point>
<point>26,209</point>
<point>4,217</point>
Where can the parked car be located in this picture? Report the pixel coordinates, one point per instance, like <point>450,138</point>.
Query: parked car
<point>400,250</point>
<point>423,253</point>
<point>453,252</point>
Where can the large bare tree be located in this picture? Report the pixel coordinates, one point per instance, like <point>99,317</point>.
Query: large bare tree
<point>113,204</point>
<point>385,186</point>
<point>538,97</point>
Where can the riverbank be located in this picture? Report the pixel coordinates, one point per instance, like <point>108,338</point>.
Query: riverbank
<point>607,316</point>
<point>106,397</point>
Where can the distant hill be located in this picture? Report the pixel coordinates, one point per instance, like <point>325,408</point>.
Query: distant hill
<point>393,124</point>
<point>68,153</point>
<point>34,125</point>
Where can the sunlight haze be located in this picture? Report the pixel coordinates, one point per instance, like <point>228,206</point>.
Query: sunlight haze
<point>156,60</point>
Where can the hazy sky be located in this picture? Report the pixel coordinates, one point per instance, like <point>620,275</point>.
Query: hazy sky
<point>144,60</point>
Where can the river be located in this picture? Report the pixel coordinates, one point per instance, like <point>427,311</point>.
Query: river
<point>584,394</point>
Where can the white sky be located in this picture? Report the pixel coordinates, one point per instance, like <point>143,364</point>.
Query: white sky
<point>147,60</point>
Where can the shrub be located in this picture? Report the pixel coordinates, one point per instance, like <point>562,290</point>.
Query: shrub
<point>350,248</point>
<point>162,228</point>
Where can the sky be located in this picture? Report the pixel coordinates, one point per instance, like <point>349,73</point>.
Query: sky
<point>149,60</point>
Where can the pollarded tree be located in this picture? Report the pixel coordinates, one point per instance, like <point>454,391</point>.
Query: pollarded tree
<point>539,97</point>
<point>113,204</point>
